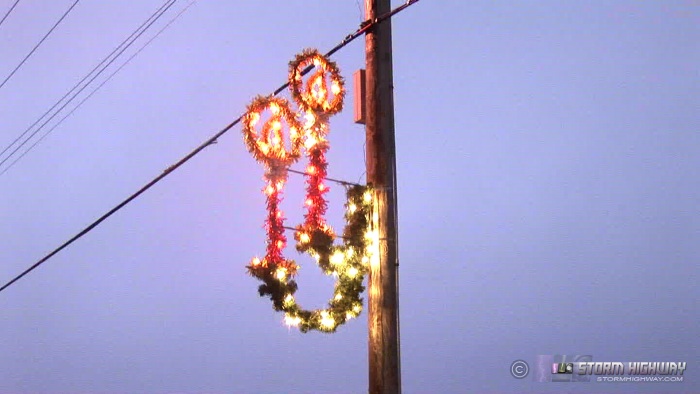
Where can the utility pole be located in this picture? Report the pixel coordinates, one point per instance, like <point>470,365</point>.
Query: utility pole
<point>384,361</point>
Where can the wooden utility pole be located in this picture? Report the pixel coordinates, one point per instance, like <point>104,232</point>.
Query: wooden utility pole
<point>384,361</point>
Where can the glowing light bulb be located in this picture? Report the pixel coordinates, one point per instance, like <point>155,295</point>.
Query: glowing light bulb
<point>309,202</point>
<point>274,108</point>
<point>335,87</point>
<point>317,62</point>
<point>269,190</point>
<point>281,273</point>
<point>310,142</point>
<point>349,315</point>
<point>352,272</point>
<point>365,260</point>
<point>255,262</point>
<point>367,197</point>
<point>275,141</point>
<point>254,118</point>
<point>310,119</point>
<point>291,320</point>
<point>352,208</point>
<point>304,238</point>
<point>289,299</point>
<point>357,308</point>
<point>277,125</point>
<point>293,131</point>
<point>321,187</point>
<point>338,297</point>
<point>327,321</point>
<point>280,244</point>
<point>310,170</point>
<point>337,258</point>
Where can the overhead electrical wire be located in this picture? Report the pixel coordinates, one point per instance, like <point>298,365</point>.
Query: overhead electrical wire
<point>364,27</point>
<point>97,71</point>
<point>65,14</point>
<point>43,136</point>
<point>8,12</point>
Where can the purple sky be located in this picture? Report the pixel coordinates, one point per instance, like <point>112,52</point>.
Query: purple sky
<point>548,167</point>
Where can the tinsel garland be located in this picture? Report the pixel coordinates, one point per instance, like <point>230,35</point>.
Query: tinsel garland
<point>315,97</point>
<point>268,147</point>
<point>347,262</point>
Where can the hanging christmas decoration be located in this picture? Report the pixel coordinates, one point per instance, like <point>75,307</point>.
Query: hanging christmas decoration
<point>346,262</point>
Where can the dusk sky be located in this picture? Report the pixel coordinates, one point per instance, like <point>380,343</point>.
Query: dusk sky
<point>548,160</point>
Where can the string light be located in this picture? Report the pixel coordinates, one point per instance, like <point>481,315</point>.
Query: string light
<point>314,237</point>
<point>275,156</point>
<point>352,272</point>
<point>306,99</point>
<point>292,321</point>
<point>208,142</point>
<point>327,320</point>
<point>289,299</point>
<point>310,142</point>
<point>310,120</point>
<point>254,118</point>
<point>337,258</point>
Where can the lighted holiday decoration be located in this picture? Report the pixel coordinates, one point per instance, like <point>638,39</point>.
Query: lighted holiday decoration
<point>318,99</point>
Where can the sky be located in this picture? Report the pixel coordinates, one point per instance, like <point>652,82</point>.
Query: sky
<point>548,160</point>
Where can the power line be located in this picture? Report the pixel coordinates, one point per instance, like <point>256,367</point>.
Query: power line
<point>364,27</point>
<point>118,50</point>
<point>96,89</point>
<point>9,12</point>
<point>39,43</point>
